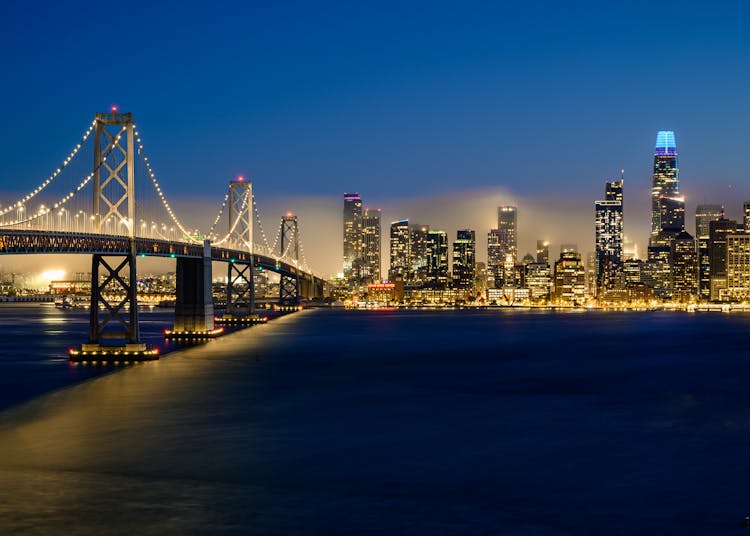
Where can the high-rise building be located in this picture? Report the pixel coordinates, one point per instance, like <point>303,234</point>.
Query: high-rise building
<point>665,185</point>
<point>684,263</point>
<point>507,228</point>
<point>542,252</point>
<point>610,233</point>
<point>400,251</point>
<point>371,245</point>
<point>418,248</point>
<point>746,215</point>
<point>704,215</point>
<point>570,279</point>
<point>538,281</point>
<point>436,275</point>
<point>464,260</point>
<point>717,252</point>
<point>495,259</point>
<point>738,267</point>
<point>352,237</point>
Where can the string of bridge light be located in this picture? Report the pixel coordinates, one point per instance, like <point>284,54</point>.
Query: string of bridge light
<point>53,176</point>
<point>67,197</point>
<point>256,210</point>
<point>163,199</point>
<point>236,221</point>
<point>218,216</point>
<point>301,250</point>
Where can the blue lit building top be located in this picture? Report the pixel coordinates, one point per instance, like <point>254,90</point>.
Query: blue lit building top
<point>665,144</point>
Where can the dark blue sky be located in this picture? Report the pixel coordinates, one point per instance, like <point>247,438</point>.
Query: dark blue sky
<point>388,99</point>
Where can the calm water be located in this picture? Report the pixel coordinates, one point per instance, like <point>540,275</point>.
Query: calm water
<point>394,422</point>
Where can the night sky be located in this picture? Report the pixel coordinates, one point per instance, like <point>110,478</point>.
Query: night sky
<point>421,107</point>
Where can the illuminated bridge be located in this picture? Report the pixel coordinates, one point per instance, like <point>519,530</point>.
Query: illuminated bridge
<point>117,212</point>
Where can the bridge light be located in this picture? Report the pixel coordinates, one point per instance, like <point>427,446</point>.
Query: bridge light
<point>113,108</point>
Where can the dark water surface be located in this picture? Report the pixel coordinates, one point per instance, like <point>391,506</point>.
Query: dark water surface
<point>321,422</point>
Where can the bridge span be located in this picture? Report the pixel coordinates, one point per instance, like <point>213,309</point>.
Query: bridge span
<point>116,227</point>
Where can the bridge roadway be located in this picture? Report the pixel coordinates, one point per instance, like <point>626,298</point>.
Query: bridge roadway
<point>19,242</point>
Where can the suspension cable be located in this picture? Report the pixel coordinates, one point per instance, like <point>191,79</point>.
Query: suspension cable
<point>53,176</point>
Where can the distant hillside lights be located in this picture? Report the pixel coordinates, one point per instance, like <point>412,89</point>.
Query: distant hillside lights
<point>680,270</point>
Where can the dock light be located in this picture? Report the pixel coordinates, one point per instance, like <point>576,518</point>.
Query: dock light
<point>172,255</point>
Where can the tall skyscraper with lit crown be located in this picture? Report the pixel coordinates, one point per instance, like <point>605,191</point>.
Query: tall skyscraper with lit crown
<point>667,207</point>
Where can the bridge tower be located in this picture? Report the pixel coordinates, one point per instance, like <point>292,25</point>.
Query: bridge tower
<point>240,280</point>
<point>289,291</point>
<point>114,213</point>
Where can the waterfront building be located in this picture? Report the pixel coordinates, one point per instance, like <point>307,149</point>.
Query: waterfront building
<point>704,215</point>
<point>400,264</point>
<point>371,245</point>
<point>717,251</point>
<point>436,275</point>
<point>538,281</point>
<point>738,268</point>
<point>542,252</point>
<point>384,294</point>
<point>684,265</point>
<point>464,260</point>
<point>570,279</point>
<point>352,237</point>
<point>609,234</point>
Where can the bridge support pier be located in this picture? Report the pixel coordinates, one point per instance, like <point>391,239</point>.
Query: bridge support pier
<point>289,290</point>
<point>194,308</point>
<point>241,295</point>
<point>115,325</point>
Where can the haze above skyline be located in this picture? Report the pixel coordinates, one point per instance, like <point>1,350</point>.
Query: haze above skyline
<point>414,106</point>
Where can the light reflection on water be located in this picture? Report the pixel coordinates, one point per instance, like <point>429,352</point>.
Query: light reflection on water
<point>444,422</point>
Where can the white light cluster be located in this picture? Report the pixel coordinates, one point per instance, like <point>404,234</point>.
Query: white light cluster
<point>52,177</point>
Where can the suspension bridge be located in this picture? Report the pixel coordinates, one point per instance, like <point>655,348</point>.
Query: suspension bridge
<point>117,212</point>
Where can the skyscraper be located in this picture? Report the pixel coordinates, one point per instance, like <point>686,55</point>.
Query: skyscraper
<point>746,215</point>
<point>371,245</point>
<point>502,248</point>
<point>352,237</point>
<point>418,254</point>
<point>717,252</point>
<point>437,259</point>
<point>704,215</point>
<point>507,229</point>
<point>464,260</point>
<point>400,251</point>
<point>570,279</point>
<point>495,259</point>
<point>738,267</point>
<point>665,185</point>
<point>610,233</point>
<point>684,263</point>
